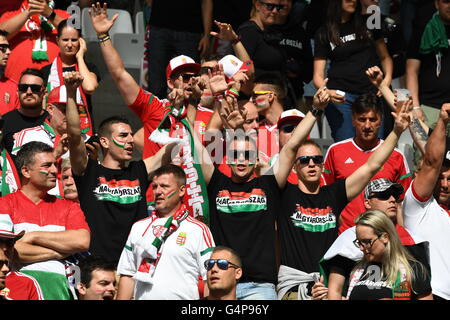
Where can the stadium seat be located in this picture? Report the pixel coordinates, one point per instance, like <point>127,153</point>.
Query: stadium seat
<point>130,47</point>
<point>139,27</point>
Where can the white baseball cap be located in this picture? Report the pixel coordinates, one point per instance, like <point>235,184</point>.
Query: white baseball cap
<point>182,62</point>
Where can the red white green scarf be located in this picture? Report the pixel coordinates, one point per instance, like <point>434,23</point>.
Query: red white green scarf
<point>10,178</point>
<point>151,252</point>
<point>38,26</point>
<point>175,128</point>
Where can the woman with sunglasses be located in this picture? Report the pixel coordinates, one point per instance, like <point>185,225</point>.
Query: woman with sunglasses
<point>72,49</point>
<point>352,48</point>
<point>387,271</point>
<point>260,42</point>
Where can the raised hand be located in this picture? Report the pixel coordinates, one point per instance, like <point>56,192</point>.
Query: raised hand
<point>99,18</point>
<point>72,81</point>
<point>232,115</point>
<point>176,96</point>
<point>239,79</point>
<point>62,147</point>
<point>226,32</point>
<point>375,76</point>
<point>403,117</point>
<point>322,97</point>
<point>217,80</point>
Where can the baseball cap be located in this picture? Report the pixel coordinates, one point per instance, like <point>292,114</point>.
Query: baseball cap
<point>7,228</point>
<point>231,65</point>
<point>181,62</point>
<point>59,95</point>
<point>289,115</point>
<point>380,185</point>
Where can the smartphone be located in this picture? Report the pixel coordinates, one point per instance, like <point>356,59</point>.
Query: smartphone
<point>341,93</point>
<point>92,139</point>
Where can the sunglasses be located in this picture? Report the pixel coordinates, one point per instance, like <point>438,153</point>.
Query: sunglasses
<point>248,154</point>
<point>271,6</point>
<point>8,242</point>
<point>221,263</point>
<point>4,47</point>
<point>260,93</point>
<point>35,88</point>
<point>186,76</point>
<point>385,195</point>
<point>288,128</point>
<point>4,263</point>
<point>306,159</point>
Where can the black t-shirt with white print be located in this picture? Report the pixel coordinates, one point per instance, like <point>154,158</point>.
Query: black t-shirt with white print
<point>112,200</point>
<point>242,217</point>
<point>434,89</point>
<point>348,61</point>
<point>371,287</point>
<point>308,224</point>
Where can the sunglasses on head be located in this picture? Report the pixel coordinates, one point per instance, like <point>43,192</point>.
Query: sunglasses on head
<point>288,128</point>
<point>385,195</point>
<point>221,263</point>
<point>4,47</point>
<point>271,6</point>
<point>35,88</point>
<point>306,159</point>
<point>248,154</point>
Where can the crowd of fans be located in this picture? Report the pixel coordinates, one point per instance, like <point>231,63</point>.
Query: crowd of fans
<point>232,197</point>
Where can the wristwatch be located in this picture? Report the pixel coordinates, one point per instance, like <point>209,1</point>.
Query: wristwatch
<point>316,112</point>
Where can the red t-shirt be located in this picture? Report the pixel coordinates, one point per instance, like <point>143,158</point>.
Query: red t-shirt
<point>344,157</point>
<point>22,47</point>
<point>9,99</point>
<point>268,141</point>
<point>51,211</point>
<point>20,286</point>
<point>9,5</point>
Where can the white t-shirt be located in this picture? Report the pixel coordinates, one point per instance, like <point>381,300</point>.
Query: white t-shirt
<point>181,264</point>
<point>426,218</point>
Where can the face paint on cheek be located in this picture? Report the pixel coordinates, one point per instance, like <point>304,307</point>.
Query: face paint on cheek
<point>261,103</point>
<point>119,143</point>
<point>44,172</point>
<point>171,195</point>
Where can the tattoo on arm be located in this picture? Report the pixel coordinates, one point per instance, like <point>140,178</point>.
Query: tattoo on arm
<point>418,130</point>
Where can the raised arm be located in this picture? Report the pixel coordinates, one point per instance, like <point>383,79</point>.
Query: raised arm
<point>77,147</point>
<point>128,87</point>
<point>90,81</point>
<point>287,154</point>
<point>358,180</point>
<point>428,174</point>
<point>412,79</point>
<point>385,60</point>
<point>207,13</point>
<point>417,128</point>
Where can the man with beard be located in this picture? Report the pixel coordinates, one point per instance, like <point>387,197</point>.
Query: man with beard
<point>31,113</point>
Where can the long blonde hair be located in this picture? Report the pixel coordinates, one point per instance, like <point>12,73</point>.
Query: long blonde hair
<point>395,256</point>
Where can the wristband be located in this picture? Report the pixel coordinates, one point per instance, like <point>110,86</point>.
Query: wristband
<point>103,37</point>
<point>237,40</point>
<point>232,92</point>
<point>415,108</point>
